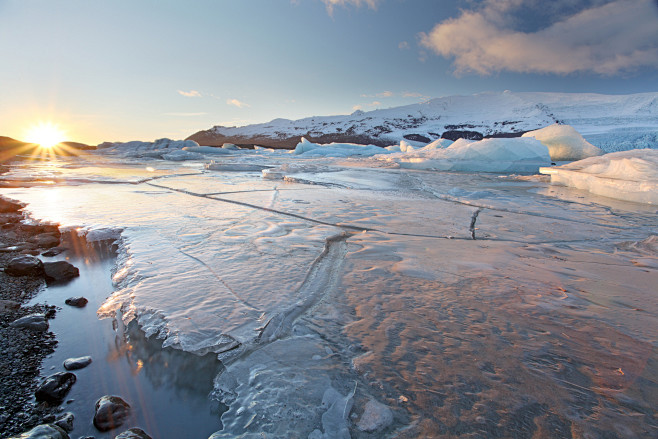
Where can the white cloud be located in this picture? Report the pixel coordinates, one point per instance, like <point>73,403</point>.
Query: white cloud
<point>403,45</point>
<point>190,94</point>
<point>384,94</point>
<point>617,37</point>
<point>236,103</point>
<point>333,3</point>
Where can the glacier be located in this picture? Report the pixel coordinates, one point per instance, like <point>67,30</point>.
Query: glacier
<point>328,284</point>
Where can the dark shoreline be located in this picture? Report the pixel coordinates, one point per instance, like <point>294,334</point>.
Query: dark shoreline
<point>22,351</point>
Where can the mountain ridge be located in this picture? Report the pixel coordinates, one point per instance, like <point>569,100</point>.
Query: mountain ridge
<point>488,114</point>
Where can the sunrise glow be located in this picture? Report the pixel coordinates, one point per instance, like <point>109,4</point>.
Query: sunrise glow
<point>45,134</point>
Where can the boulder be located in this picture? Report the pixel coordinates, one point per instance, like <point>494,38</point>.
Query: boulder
<point>45,240</point>
<point>34,322</point>
<point>60,271</point>
<point>25,266</point>
<point>55,387</point>
<point>111,412</point>
<point>133,433</point>
<point>44,431</point>
<point>78,302</point>
<point>77,363</point>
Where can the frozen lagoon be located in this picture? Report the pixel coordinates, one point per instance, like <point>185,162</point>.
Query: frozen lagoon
<point>544,326</point>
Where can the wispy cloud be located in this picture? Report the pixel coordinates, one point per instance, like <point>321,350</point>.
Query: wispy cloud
<point>189,94</point>
<point>237,103</point>
<point>412,94</point>
<point>384,94</point>
<point>403,45</point>
<point>185,114</point>
<point>607,37</point>
<point>333,3</point>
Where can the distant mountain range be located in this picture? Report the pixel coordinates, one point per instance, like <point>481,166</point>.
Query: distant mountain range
<point>10,148</point>
<point>614,119</point>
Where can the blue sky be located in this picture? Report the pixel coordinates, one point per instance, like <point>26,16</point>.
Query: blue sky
<point>144,69</point>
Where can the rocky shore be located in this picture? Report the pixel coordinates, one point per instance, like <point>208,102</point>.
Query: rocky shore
<point>22,350</point>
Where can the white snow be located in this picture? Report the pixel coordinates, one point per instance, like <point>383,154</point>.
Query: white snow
<point>626,175</point>
<point>516,155</point>
<point>564,143</point>
<point>593,115</point>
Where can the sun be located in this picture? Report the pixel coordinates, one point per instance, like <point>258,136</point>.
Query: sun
<point>45,134</point>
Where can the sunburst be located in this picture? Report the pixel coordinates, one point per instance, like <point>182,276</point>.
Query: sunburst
<point>45,134</point>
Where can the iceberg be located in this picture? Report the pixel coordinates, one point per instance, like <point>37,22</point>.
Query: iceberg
<point>310,149</point>
<point>519,155</point>
<point>626,175</point>
<point>157,149</point>
<point>564,143</point>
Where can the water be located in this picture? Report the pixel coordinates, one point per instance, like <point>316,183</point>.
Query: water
<point>544,326</point>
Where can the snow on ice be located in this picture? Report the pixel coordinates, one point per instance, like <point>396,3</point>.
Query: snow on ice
<point>564,143</point>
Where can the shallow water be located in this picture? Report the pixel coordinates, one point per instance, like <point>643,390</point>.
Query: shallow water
<point>544,326</point>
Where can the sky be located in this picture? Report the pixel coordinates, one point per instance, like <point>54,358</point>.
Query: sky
<point>144,69</point>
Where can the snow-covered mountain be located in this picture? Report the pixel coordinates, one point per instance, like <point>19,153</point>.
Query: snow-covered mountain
<point>612,122</point>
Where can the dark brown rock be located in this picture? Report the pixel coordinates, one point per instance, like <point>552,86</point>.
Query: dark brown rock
<point>111,412</point>
<point>55,387</point>
<point>59,271</point>
<point>25,266</point>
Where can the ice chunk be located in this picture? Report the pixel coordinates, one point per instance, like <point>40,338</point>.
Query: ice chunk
<point>146,149</point>
<point>520,155</point>
<point>206,149</point>
<point>310,149</point>
<point>375,417</point>
<point>564,143</point>
<point>627,175</point>
<point>230,146</point>
<point>181,155</point>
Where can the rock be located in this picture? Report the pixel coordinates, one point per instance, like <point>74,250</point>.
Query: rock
<point>133,433</point>
<point>78,302</point>
<point>55,387</point>
<point>111,412</point>
<point>8,305</point>
<point>24,266</point>
<point>60,271</point>
<point>54,251</point>
<point>44,431</point>
<point>45,240</point>
<point>77,363</point>
<point>376,416</point>
<point>65,421</point>
<point>34,322</point>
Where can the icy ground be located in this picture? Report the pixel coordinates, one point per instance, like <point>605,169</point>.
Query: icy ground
<point>340,284</point>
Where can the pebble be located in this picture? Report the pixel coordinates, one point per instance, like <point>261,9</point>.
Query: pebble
<point>77,363</point>
<point>78,302</point>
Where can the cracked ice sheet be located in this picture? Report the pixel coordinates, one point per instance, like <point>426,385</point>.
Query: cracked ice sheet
<point>198,269</point>
<point>467,336</point>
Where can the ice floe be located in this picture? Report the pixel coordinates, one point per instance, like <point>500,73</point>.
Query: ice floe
<point>626,175</point>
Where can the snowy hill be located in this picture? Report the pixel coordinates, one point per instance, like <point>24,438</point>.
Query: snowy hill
<point>611,122</point>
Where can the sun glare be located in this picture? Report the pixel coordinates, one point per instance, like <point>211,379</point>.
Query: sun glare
<point>45,134</point>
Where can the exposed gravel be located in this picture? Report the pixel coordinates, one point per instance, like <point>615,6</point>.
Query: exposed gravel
<point>21,350</point>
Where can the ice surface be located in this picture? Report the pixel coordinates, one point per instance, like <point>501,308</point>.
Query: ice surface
<point>522,155</point>
<point>626,175</point>
<point>349,280</point>
<point>564,143</point>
